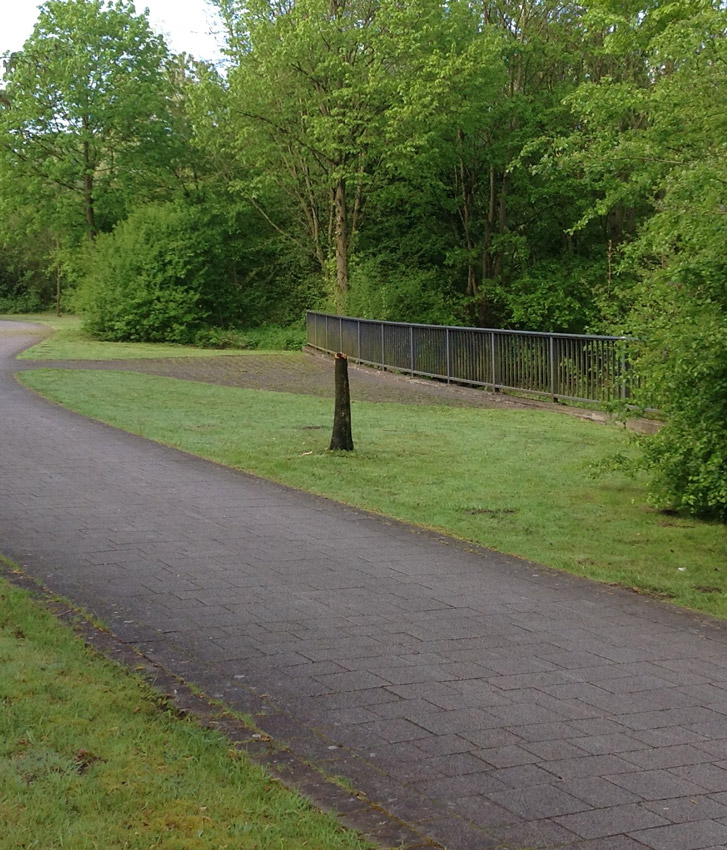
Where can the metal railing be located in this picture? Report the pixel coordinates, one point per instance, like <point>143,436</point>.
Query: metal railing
<point>573,367</point>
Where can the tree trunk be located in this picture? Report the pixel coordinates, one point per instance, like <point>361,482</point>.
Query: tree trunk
<point>58,289</point>
<point>341,235</point>
<point>502,223</point>
<point>88,201</point>
<point>341,438</point>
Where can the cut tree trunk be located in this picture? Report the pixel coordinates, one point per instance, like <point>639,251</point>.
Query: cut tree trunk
<point>341,438</point>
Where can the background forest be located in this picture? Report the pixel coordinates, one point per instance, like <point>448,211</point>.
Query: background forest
<point>540,164</point>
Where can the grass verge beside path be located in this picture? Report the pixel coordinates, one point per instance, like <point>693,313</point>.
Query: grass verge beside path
<point>70,342</point>
<point>89,758</point>
<point>515,481</point>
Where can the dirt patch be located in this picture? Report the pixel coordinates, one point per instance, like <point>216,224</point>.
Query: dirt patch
<point>309,373</point>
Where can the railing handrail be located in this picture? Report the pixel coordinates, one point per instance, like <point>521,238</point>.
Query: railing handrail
<point>577,367</point>
<point>504,331</point>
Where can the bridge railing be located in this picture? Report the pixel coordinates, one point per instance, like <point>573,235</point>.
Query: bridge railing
<point>573,367</point>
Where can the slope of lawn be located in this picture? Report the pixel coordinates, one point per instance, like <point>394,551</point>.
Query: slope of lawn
<point>90,759</point>
<point>521,482</point>
<point>70,342</point>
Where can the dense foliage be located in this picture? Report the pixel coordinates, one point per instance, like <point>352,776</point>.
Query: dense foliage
<point>657,138</point>
<point>150,279</point>
<point>542,164</point>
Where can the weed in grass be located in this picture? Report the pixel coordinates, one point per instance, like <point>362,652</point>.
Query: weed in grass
<point>489,511</point>
<point>519,475</point>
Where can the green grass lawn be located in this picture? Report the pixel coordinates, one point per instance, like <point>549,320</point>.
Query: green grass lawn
<point>70,342</point>
<point>517,481</point>
<point>90,760</point>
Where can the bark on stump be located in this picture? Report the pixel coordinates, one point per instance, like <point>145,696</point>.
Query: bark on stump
<point>341,438</point>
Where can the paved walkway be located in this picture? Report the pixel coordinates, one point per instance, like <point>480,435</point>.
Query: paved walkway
<point>486,701</point>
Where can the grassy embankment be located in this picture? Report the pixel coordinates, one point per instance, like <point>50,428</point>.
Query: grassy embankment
<point>517,481</point>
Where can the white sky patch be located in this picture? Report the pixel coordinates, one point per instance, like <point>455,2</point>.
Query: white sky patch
<point>187,25</point>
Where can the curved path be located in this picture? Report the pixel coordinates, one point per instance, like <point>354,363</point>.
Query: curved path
<point>484,701</point>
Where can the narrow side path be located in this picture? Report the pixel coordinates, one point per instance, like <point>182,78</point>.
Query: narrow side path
<point>488,702</point>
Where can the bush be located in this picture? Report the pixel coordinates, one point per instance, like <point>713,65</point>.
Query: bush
<point>686,373</point>
<point>27,302</point>
<point>223,338</point>
<point>383,290</point>
<point>146,281</point>
<point>551,295</point>
<point>271,337</point>
<point>275,338</point>
<point>27,283</point>
<point>682,316</point>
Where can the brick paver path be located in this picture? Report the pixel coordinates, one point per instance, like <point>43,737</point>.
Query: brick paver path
<point>490,702</point>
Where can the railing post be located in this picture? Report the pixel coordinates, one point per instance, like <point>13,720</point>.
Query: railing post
<point>449,358</point>
<point>327,344</point>
<point>358,340</point>
<point>340,334</point>
<point>551,355</point>
<point>493,355</point>
<point>411,348</point>
<point>383,364</point>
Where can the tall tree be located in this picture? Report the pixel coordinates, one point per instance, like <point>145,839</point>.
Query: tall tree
<point>85,119</point>
<point>491,80</point>
<point>310,88</point>
<point>657,138</point>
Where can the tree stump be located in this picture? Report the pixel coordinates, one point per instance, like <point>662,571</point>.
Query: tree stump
<point>341,438</point>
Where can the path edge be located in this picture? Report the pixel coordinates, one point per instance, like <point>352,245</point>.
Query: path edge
<point>353,810</point>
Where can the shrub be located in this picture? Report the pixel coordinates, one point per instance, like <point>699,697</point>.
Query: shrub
<point>27,282</point>
<point>271,337</point>
<point>26,302</point>
<point>380,289</point>
<point>551,295</point>
<point>685,369</point>
<point>146,281</point>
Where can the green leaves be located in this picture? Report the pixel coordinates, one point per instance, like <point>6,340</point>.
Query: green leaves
<point>88,114</point>
<point>147,281</point>
<point>660,138</point>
